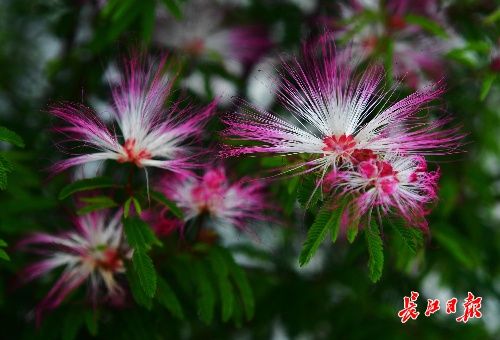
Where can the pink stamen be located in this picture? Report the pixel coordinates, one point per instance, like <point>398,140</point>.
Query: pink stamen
<point>369,44</point>
<point>362,155</point>
<point>388,185</point>
<point>341,145</point>
<point>132,155</point>
<point>495,64</point>
<point>195,47</point>
<point>210,190</point>
<point>111,260</point>
<point>396,22</point>
<point>382,174</point>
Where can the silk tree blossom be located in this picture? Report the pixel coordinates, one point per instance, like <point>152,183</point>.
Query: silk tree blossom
<point>150,135</point>
<point>161,224</point>
<point>200,33</point>
<point>495,57</point>
<point>227,204</point>
<point>417,62</point>
<point>417,56</point>
<point>94,253</point>
<point>394,12</point>
<point>338,117</point>
<point>391,184</point>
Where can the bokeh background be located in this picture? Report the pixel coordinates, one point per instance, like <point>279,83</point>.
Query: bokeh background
<point>57,50</point>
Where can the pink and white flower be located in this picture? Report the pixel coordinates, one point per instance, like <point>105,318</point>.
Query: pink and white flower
<point>228,204</point>
<point>161,224</point>
<point>150,135</point>
<point>495,57</point>
<point>93,253</point>
<point>200,33</point>
<point>391,184</point>
<point>418,62</point>
<point>337,117</point>
<point>417,57</point>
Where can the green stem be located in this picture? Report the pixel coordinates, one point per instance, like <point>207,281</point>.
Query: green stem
<point>129,187</point>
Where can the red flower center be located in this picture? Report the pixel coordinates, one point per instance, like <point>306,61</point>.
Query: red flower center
<point>110,260</point>
<point>194,47</point>
<point>382,175</point>
<point>495,64</point>
<point>132,154</point>
<point>339,145</point>
<point>205,199</point>
<point>396,22</point>
<point>370,43</point>
<point>362,155</point>
<point>210,191</point>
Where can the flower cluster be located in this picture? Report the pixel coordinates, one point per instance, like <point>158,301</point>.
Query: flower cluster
<point>151,136</point>
<point>94,252</point>
<point>363,149</point>
<point>366,149</point>
<point>227,204</point>
<point>398,25</point>
<point>200,34</point>
<point>150,132</point>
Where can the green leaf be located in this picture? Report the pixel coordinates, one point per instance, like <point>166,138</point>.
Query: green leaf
<point>493,17</point>
<point>3,178</point>
<point>292,185</point>
<point>4,255</point>
<point>6,164</point>
<point>96,199</point>
<point>10,136</point>
<point>137,206</point>
<point>412,237</point>
<point>307,194</point>
<point>352,231</point>
<point>148,19</point>
<point>205,293</point>
<point>336,219</point>
<point>241,282</point>
<point>167,298</point>
<point>376,251</point>
<point>96,203</point>
<point>485,88</point>
<point>73,321</point>
<point>237,313</point>
<point>174,8</point>
<point>86,184</point>
<point>463,56</point>
<point>139,234</point>
<point>111,6</point>
<point>3,243</point>
<point>122,9</point>
<point>126,207</point>
<point>159,197</point>
<point>221,271</point>
<point>427,24</point>
<point>135,287</point>
<point>91,317</point>
<point>5,167</point>
<point>118,15</point>
<point>143,266</point>
<point>325,220</point>
<point>181,266</point>
<point>454,244</point>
